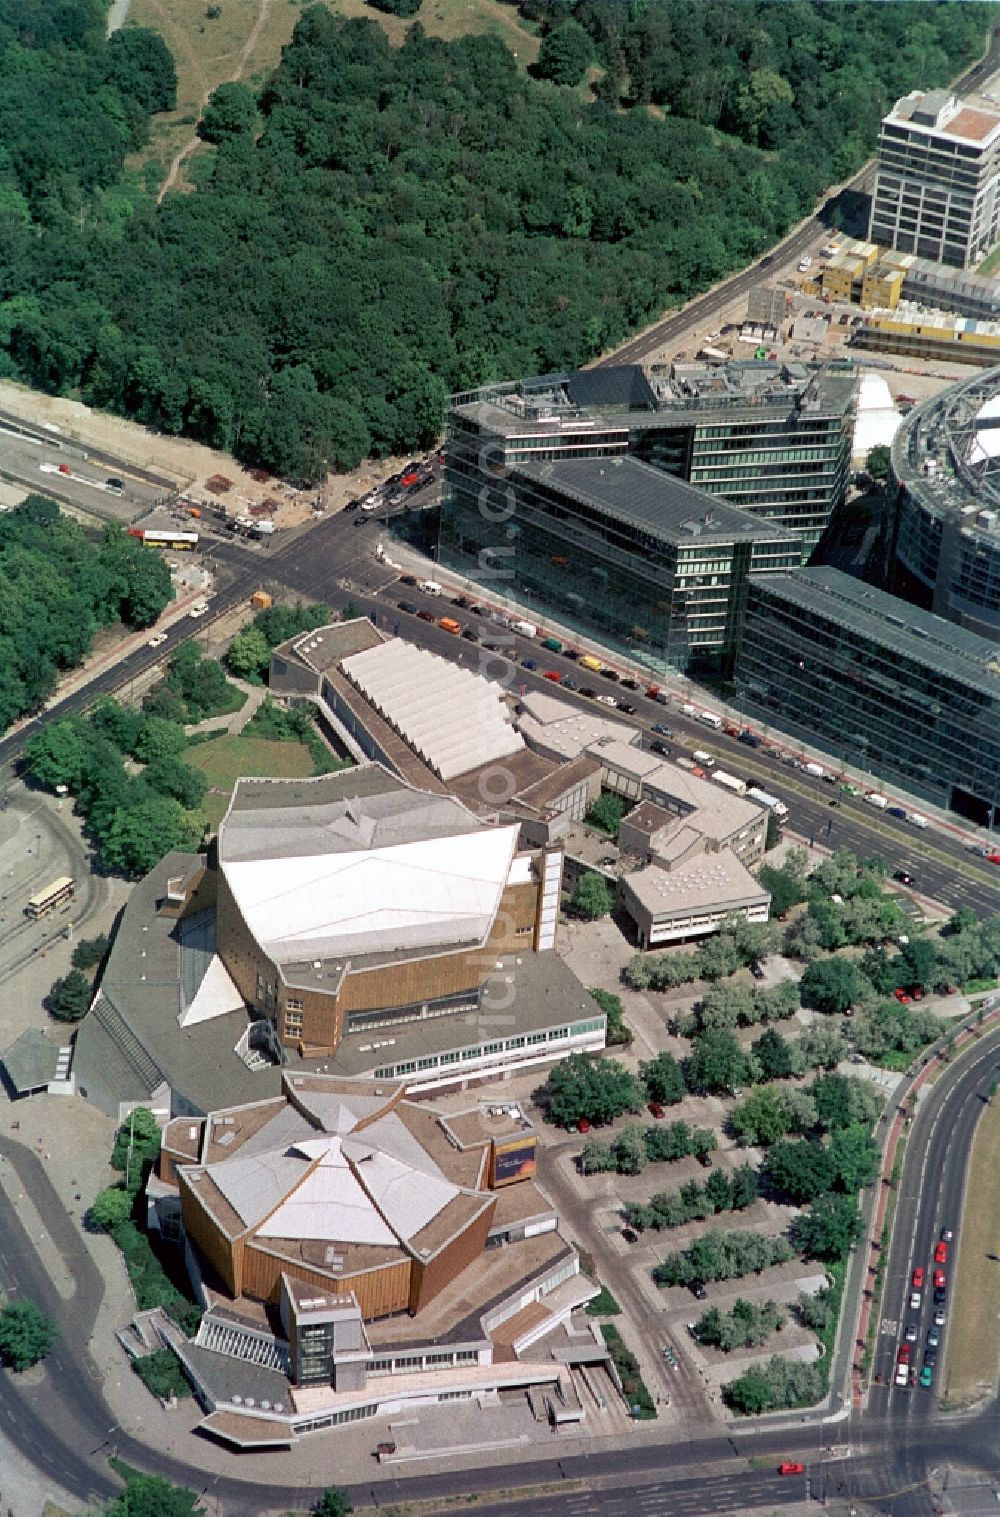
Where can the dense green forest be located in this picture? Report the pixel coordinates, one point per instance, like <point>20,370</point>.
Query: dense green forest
<point>57,586</point>
<point>381,226</point>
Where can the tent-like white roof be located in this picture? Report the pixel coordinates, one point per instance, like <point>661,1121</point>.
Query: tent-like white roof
<point>453,719</point>
<point>877,422</point>
<point>416,895</point>
<point>329,1203</point>
<point>986,444</point>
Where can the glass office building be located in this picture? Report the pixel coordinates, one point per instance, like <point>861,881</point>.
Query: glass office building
<point>602,542</point>
<point>904,696</point>
<point>942,535</point>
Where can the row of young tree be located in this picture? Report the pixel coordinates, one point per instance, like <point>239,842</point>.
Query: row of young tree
<point>694,1202</point>
<point>738,944</point>
<point>379,226</point>
<point>718,1255</point>
<point>634,1147</point>
<point>58,585</point>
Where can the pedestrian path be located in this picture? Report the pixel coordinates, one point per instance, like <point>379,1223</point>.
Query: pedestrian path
<point>233,722</point>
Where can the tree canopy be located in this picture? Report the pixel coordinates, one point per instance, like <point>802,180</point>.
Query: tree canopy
<point>382,225</point>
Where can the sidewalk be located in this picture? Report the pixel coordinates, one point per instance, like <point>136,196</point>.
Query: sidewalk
<point>233,722</point>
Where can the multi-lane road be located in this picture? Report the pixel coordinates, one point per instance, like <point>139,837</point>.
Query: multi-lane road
<point>333,562</point>
<point>929,1199</point>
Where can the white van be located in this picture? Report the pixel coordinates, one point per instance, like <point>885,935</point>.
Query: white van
<point>431,587</point>
<point>805,264</point>
<point>878,801</point>
<point>816,770</point>
<point>524,629</point>
<point>704,759</point>
<point>710,719</point>
<point>916,819</point>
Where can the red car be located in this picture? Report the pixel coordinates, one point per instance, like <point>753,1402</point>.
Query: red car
<point>553,675</point>
<point>904,1353</point>
<point>656,1110</point>
<point>583,1125</point>
<point>919,1276</point>
<point>903,997</point>
<point>941,1254</point>
<point>791,1468</point>
<point>939,1280</point>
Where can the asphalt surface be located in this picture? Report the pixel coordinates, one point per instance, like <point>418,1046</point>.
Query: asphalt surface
<point>929,1198</point>
<point>54,463</point>
<point>333,562</point>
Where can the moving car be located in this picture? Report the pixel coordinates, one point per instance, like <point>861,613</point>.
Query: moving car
<point>911,1332</point>
<point>607,700</point>
<point>158,640</point>
<point>114,483</point>
<point>791,1467</point>
<point>939,1318</point>
<point>916,1298</point>
<point>626,707</point>
<point>946,1235</point>
<point>930,1358</point>
<point>941,1253</point>
<point>939,1279</point>
<point>902,1375</point>
<point>940,1295</point>
<point>662,729</point>
<point>407,579</point>
<point>919,1276</point>
<point>933,1338</point>
<point>660,748</point>
<point>927,1376</point>
<point>903,877</point>
<point>903,1356</point>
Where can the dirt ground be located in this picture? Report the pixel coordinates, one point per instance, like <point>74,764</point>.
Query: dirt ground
<point>972,1353</point>
<point>191,464</point>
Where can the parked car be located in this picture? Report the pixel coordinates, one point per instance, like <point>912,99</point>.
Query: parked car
<point>408,579</point>
<point>660,748</point>
<point>583,1125</point>
<point>630,684</point>
<point>407,606</point>
<point>663,730</point>
<point>571,653</point>
<point>569,683</point>
<point>698,1291</point>
<point>902,997</point>
<point>426,616</point>
<point>630,1235</point>
<point>609,674</point>
<point>553,675</point>
<point>656,1110</point>
<point>588,693</point>
<point>897,811</point>
<point>529,663</point>
<point>607,700</point>
<point>705,1159</point>
<point>470,636</point>
<point>790,1467</point>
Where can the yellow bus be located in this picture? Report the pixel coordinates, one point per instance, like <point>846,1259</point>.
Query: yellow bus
<point>593,664</point>
<point>56,894</point>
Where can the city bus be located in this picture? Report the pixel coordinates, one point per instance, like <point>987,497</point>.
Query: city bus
<point>178,541</point>
<point>56,894</point>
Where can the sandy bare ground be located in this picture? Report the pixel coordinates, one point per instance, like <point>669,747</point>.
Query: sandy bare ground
<point>190,464</point>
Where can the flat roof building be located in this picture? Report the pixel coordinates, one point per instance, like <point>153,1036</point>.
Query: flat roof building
<point>614,544</point>
<point>902,694</point>
<point>771,440</point>
<point>937,179</point>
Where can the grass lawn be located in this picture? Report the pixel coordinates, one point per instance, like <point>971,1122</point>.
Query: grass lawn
<point>222,760</point>
<point>208,53</point>
<point>990,264</point>
<point>972,1341</point>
